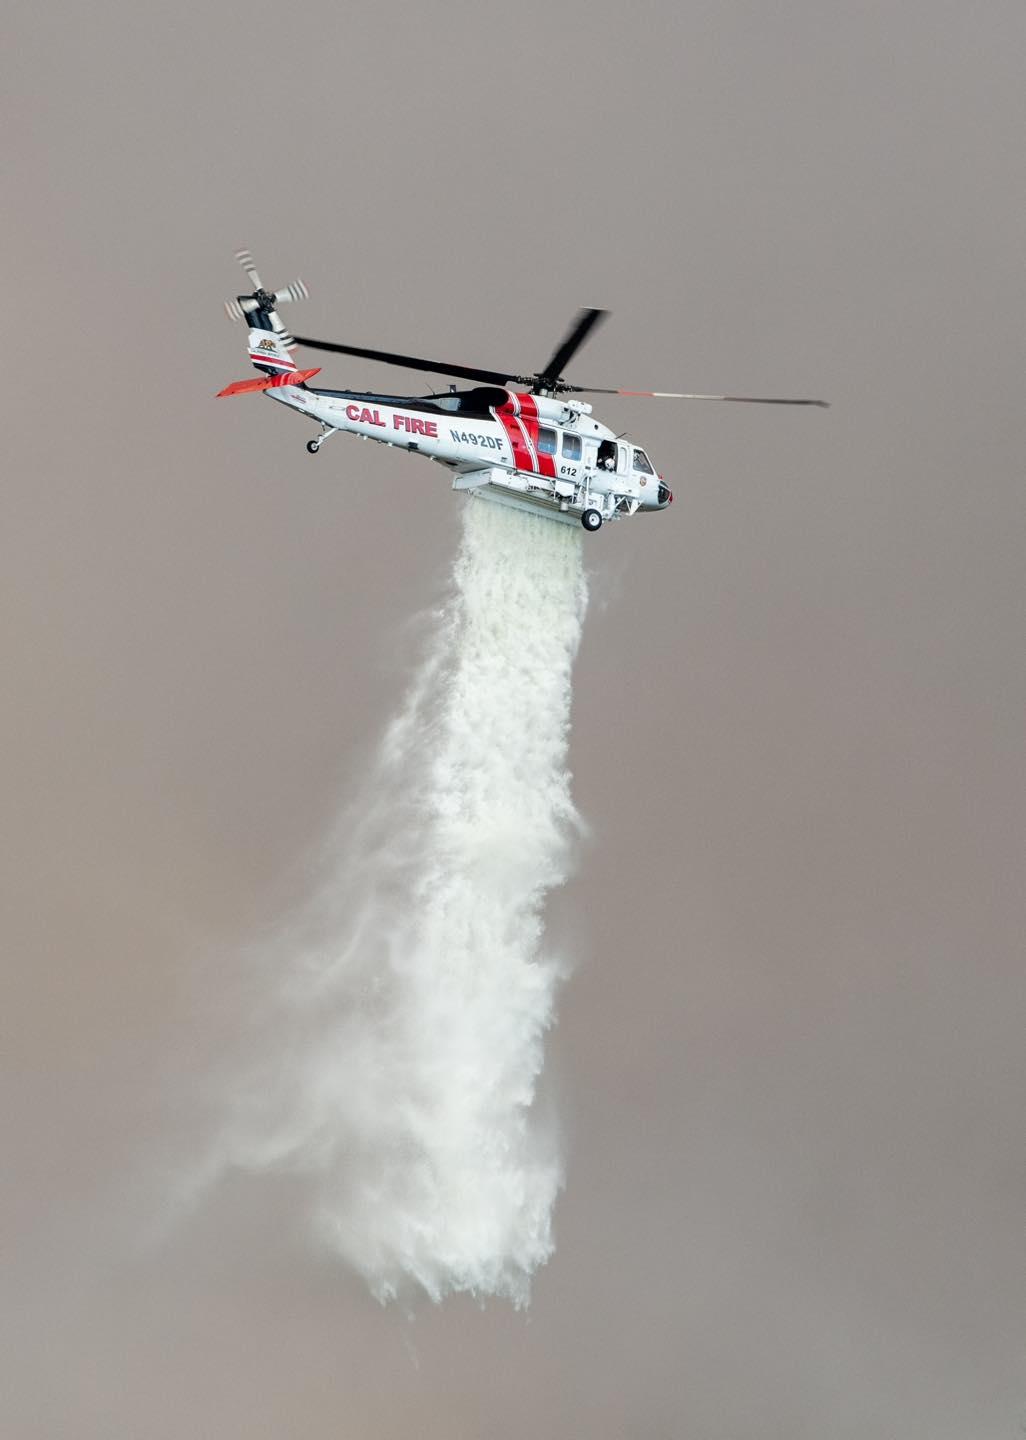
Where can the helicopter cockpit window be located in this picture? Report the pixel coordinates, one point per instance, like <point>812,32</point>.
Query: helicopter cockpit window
<point>571,447</point>
<point>641,463</point>
<point>546,441</point>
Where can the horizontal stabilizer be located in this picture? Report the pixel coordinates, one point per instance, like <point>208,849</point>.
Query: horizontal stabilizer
<point>268,382</point>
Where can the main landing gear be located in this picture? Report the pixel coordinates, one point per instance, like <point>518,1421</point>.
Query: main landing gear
<point>591,520</point>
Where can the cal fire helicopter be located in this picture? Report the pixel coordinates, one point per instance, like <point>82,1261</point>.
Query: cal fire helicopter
<point>537,449</point>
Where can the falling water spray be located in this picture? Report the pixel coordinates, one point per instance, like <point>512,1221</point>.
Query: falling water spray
<point>416,1026</point>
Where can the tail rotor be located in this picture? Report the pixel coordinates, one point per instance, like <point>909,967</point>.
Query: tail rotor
<point>261,307</point>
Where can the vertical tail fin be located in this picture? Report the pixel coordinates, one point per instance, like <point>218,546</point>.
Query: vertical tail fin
<point>268,353</point>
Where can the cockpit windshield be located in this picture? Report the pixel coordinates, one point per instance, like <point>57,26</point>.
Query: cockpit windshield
<point>641,463</point>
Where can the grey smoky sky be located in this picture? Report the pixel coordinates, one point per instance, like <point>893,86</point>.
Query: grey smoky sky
<point>790,1065</point>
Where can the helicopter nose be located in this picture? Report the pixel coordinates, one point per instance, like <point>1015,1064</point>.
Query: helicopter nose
<point>665,493</point>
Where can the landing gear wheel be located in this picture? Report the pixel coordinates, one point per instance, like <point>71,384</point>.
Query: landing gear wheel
<point>313,446</point>
<point>591,520</point>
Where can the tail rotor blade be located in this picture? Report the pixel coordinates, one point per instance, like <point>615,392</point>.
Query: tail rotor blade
<point>245,259</point>
<point>236,309</point>
<point>263,302</point>
<point>296,291</point>
<point>284,336</point>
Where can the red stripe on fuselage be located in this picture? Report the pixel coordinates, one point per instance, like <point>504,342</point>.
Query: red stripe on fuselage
<point>546,464</point>
<point>508,415</point>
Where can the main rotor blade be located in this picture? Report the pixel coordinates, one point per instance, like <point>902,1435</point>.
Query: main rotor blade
<point>575,338</point>
<point>679,395</point>
<point>410,362</point>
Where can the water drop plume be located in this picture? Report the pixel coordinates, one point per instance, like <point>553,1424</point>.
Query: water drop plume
<point>409,1040</point>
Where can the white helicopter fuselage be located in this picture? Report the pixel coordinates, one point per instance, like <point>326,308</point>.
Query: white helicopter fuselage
<point>528,451</point>
<point>535,449</point>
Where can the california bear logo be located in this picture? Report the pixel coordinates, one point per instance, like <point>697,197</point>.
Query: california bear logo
<point>266,345</point>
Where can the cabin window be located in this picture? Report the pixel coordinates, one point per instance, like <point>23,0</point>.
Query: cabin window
<point>606,458</point>
<point>571,447</point>
<point>546,441</point>
<point>641,463</point>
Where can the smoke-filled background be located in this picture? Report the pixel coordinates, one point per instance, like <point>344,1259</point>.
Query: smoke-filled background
<point>786,1075</point>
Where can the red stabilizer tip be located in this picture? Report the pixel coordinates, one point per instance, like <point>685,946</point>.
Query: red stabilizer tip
<point>268,382</point>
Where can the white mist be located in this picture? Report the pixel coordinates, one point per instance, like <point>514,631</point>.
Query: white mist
<point>408,1049</point>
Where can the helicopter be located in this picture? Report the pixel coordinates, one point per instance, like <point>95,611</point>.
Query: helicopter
<point>537,449</point>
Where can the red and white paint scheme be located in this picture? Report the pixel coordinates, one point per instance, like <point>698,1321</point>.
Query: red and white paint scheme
<point>537,449</point>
